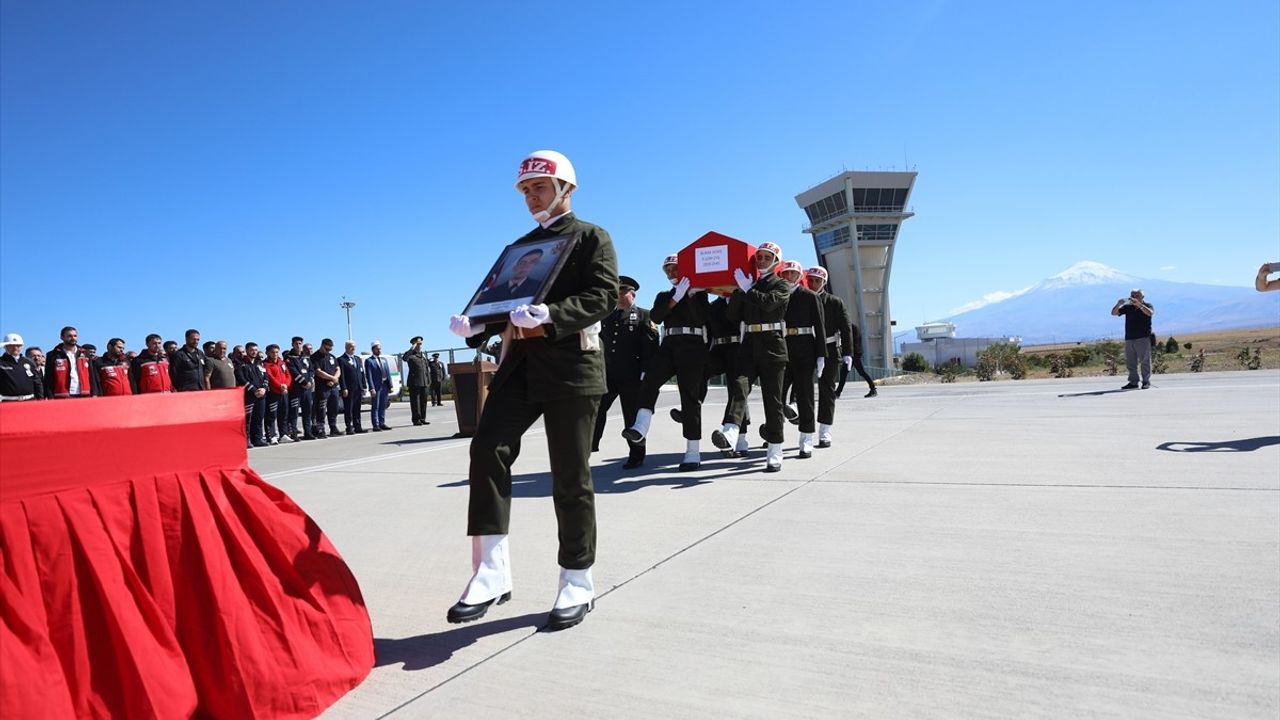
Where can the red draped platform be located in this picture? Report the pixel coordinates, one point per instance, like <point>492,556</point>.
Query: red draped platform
<point>147,572</point>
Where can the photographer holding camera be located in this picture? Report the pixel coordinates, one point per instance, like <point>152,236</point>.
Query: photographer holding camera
<point>1137,337</point>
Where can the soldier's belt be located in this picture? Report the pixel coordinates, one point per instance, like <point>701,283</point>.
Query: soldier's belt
<point>800,331</point>
<point>765,327</point>
<point>724,341</point>
<point>684,331</point>
<point>833,339</point>
<point>520,333</point>
<point>16,398</point>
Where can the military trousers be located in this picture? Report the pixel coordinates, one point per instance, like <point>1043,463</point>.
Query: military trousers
<point>628,392</point>
<point>685,357</point>
<point>827,387</point>
<point>508,413</point>
<point>418,403</point>
<point>769,375</point>
<point>799,376</point>
<point>724,360</point>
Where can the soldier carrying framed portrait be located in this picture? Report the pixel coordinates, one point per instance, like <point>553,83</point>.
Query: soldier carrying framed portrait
<point>522,275</point>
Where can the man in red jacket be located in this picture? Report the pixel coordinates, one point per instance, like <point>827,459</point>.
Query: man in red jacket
<point>278,380</point>
<point>111,372</point>
<point>149,372</point>
<point>66,371</point>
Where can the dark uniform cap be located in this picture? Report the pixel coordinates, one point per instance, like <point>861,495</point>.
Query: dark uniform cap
<point>628,282</point>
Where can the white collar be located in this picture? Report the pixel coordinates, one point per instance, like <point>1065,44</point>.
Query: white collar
<point>552,221</point>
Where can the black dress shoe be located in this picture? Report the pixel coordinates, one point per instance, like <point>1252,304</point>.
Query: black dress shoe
<point>361,431</point>
<point>686,467</point>
<point>1129,386</point>
<point>377,429</point>
<point>632,463</point>
<point>1146,385</point>
<point>772,468</point>
<point>873,393</point>
<point>824,443</point>
<point>633,436</point>
<point>350,431</point>
<point>562,618</point>
<point>677,415</point>
<point>804,455</point>
<point>719,440</point>
<point>385,427</point>
<point>462,612</point>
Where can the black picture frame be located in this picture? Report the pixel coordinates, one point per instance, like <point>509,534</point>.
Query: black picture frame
<point>535,263</point>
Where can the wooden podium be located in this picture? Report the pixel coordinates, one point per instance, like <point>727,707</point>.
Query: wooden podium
<point>470,388</point>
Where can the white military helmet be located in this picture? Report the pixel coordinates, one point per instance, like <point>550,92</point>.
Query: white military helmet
<point>12,339</point>
<point>817,271</point>
<point>791,266</point>
<point>671,260</point>
<point>770,247</point>
<point>546,163</point>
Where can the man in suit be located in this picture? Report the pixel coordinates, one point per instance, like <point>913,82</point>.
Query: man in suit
<point>353,384</point>
<point>519,285</point>
<point>378,377</point>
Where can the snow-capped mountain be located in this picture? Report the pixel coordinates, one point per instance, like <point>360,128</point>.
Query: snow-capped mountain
<point>1076,304</point>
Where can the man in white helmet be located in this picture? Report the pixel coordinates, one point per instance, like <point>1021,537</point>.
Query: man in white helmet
<point>806,349</point>
<point>683,353</point>
<point>759,306</point>
<point>839,348</point>
<point>19,379</point>
<point>552,368</point>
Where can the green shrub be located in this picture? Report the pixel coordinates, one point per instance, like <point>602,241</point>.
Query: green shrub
<point>1159,363</point>
<point>1079,356</point>
<point>1171,345</point>
<point>1197,362</point>
<point>914,362</point>
<point>1016,367</point>
<point>1186,346</point>
<point>1242,357</point>
<point>1059,365</point>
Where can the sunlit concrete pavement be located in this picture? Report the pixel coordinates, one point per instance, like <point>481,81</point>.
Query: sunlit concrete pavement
<point>1052,548</point>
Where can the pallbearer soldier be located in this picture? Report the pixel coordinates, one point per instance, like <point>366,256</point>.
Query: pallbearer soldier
<point>683,353</point>
<point>806,349</point>
<point>551,366</point>
<point>839,349</point>
<point>630,341</point>
<point>760,306</point>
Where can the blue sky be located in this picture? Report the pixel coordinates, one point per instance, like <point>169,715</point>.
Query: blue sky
<point>238,167</point>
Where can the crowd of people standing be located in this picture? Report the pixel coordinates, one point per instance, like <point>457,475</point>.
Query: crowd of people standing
<point>289,395</point>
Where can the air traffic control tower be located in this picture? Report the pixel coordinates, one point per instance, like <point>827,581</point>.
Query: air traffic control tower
<point>854,220</point>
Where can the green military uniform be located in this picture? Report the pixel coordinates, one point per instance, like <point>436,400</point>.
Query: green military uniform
<point>763,351</point>
<point>839,343</point>
<point>806,342</point>
<point>551,376</point>
<point>630,340</point>
<point>683,353</point>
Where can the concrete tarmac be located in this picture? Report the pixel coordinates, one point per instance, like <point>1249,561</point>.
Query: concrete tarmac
<point>1046,548</point>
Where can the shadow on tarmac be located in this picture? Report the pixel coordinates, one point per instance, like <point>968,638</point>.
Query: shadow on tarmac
<point>416,441</point>
<point>657,471</point>
<point>1243,445</point>
<point>1096,392</point>
<point>423,651</point>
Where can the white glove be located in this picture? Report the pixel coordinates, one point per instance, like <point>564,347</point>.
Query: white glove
<point>848,362</point>
<point>530,316</point>
<point>822,365</point>
<point>461,326</point>
<point>744,281</point>
<point>682,287</point>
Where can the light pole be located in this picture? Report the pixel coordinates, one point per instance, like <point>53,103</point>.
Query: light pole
<point>347,305</point>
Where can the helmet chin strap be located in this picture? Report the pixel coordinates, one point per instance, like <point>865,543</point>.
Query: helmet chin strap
<point>544,215</point>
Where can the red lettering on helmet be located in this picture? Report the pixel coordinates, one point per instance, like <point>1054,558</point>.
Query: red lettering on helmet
<point>538,165</point>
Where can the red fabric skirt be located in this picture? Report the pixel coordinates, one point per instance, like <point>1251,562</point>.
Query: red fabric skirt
<point>148,572</point>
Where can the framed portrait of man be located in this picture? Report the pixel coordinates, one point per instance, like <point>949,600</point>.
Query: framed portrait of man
<point>522,275</point>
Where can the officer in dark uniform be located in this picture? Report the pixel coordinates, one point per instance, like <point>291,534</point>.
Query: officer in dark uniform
<point>328,393</point>
<point>806,349</point>
<point>552,367</point>
<point>835,316</point>
<point>417,377</point>
<point>19,379</point>
<point>301,393</point>
<point>436,374</point>
<point>683,353</point>
<point>629,340</point>
<point>760,306</point>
